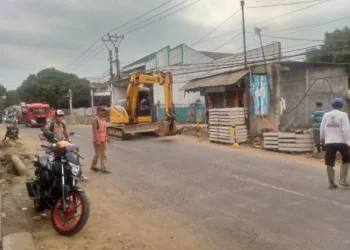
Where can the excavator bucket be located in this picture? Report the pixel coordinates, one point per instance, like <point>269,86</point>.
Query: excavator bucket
<point>166,128</point>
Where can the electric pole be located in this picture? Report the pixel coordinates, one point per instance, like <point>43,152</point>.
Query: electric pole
<point>117,63</point>
<point>258,32</point>
<point>244,41</point>
<point>113,40</point>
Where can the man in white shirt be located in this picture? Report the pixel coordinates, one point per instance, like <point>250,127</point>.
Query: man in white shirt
<point>335,131</point>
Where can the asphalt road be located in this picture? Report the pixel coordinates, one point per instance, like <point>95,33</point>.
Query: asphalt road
<point>228,199</point>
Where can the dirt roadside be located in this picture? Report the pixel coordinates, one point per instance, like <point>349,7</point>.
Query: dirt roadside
<point>116,221</point>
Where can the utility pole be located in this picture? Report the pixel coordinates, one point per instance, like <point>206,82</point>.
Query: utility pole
<point>244,41</point>
<point>70,102</point>
<point>113,39</point>
<point>258,32</point>
<point>117,62</point>
<point>247,81</point>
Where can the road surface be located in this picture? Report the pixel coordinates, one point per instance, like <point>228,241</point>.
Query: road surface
<point>228,199</point>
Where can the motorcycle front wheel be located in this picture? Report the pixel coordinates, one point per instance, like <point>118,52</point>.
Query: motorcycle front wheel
<point>74,219</point>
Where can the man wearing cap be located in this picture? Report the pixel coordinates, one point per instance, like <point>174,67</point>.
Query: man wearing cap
<point>58,127</point>
<point>335,131</point>
<point>316,118</point>
<point>100,140</point>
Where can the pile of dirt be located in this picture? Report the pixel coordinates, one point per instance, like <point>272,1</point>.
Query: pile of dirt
<point>257,142</point>
<point>7,170</point>
<point>192,130</point>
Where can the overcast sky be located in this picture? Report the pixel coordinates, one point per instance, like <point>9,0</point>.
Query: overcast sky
<point>37,34</point>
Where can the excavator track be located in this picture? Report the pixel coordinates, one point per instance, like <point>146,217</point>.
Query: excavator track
<point>125,131</point>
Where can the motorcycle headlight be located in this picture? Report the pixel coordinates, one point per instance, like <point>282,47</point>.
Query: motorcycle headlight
<point>75,169</point>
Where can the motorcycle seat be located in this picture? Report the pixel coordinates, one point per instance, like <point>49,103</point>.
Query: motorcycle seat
<point>43,158</point>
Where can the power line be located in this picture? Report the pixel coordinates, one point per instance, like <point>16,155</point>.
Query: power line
<point>161,17</point>
<point>282,4</point>
<point>135,19</point>
<point>164,16</point>
<point>257,55</point>
<point>242,64</point>
<point>156,15</point>
<point>209,33</point>
<point>98,39</point>
<point>288,13</point>
<point>88,59</point>
<point>275,31</point>
<point>292,38</point>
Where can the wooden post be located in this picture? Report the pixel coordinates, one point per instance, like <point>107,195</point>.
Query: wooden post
<point>92,97</point>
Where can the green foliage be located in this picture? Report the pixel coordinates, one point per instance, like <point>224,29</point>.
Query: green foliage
<point>50,86</point>
<point>12,98</point>
<point>2,90</point>
<point>2,97</point>
<point>336,48</point>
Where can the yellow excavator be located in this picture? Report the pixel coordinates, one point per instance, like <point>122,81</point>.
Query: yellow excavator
<point>132,116</point>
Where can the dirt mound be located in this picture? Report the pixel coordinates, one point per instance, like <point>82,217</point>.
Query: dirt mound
<point>10,144</point>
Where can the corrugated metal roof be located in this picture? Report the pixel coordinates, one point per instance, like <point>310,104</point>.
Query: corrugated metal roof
<point>214,81</point>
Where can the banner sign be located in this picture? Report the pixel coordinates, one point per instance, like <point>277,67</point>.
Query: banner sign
<point>259,90</point>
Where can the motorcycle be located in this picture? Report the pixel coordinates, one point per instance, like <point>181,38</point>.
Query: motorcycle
<point>12,131</point>
<point>54,186</point>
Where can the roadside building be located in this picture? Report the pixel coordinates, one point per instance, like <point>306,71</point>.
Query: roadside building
<point>100,91</point>
<point>282,99</point>
<point>180,59</point>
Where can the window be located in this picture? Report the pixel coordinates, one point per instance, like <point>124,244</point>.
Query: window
<point>37,111</point>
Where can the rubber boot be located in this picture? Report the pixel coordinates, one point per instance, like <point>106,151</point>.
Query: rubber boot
<point>343,174</point>
<point>331,175</point>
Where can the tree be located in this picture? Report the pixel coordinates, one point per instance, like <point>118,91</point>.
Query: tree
<point>2,96</point>
<point>50,86</point>
<point>11,98</point>
<point>336,48</point>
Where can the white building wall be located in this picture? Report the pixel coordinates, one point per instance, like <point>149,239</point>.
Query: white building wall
<point>162,58</point>
<point>181,76</point>
<point>151,64</point>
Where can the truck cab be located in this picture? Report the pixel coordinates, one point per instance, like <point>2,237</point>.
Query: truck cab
<point>36,114</point>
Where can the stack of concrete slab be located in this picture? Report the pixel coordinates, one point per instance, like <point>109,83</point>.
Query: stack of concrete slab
<point>289,142</point>
<point>271,141</point>
<point>220,125</point>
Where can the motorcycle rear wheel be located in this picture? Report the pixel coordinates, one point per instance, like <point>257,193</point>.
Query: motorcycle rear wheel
<point>75,201</point>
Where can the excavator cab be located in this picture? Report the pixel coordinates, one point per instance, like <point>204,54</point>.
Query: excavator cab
<point>144,102</point>
<point>134,115</point>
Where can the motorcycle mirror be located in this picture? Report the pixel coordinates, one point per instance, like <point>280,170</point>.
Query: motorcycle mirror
<point>72,133</point>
